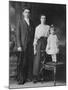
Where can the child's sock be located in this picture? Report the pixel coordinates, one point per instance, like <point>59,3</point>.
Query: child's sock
<point>54,58</point>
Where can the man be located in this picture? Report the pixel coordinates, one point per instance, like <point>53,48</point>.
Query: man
<point>40,41</point>
<point>25,35</point>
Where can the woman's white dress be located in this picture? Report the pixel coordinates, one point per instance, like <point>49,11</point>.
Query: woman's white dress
<point>52,44</point>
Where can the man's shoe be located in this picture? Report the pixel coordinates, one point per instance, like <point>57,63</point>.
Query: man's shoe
<point>21,82</point>
<point>35,81</point>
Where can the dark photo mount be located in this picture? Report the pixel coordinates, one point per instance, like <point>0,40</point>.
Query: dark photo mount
<point>50,73</point>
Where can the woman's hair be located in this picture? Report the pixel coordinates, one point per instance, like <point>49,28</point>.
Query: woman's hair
<point>28,8</point>
<point>42,15</point>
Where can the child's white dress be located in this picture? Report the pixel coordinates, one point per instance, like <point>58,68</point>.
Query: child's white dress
<point>52,45</point>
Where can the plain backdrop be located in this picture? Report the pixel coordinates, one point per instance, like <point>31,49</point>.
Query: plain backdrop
<point>4,43</point>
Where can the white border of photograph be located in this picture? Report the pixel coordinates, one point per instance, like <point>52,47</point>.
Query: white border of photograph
<point>4,43</point>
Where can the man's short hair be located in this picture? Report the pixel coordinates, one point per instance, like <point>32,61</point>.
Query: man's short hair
<point>26,8</point>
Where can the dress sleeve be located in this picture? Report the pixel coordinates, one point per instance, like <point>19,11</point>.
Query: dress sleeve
<point>35,40</point>
<point>48,44</point>
<point>57,41</point>
<point>35,37</point>
<point>48,31</point>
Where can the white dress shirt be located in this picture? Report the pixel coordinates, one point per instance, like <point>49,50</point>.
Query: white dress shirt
<point>27,21</point>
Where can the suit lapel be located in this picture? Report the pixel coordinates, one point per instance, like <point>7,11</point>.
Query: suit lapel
<point>26,26</point>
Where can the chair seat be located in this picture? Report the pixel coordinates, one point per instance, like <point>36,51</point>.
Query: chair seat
<point>52,65</point>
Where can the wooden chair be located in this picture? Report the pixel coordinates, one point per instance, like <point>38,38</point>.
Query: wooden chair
<point>50,66</point>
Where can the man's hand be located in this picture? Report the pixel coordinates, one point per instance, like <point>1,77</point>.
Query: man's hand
<point>19,49</point>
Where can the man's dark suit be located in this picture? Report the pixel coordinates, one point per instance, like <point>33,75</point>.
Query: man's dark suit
<point>25,36</point>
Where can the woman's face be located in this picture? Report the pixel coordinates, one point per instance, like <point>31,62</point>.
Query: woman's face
<point>43,19</point>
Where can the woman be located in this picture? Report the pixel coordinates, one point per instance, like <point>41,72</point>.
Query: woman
<point>40,41</point>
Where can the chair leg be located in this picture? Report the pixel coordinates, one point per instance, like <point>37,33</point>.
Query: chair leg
<point>54,76</point>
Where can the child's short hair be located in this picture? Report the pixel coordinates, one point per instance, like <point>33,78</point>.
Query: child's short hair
<point>52,26</point>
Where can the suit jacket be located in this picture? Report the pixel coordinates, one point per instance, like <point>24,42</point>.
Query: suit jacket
<point>25,33</point>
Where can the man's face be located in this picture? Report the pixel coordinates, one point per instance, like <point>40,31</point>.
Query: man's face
<point>43,19</point>
<point>26,13</point>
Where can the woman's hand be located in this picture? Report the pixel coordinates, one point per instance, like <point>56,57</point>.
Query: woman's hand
<point>35,49</point>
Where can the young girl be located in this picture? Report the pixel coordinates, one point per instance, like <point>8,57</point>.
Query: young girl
<point>52,44</point>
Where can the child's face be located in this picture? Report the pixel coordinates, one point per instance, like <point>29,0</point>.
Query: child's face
<point>52,30</point>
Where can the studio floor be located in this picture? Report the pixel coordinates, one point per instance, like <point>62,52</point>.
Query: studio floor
<point>38,84</point>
